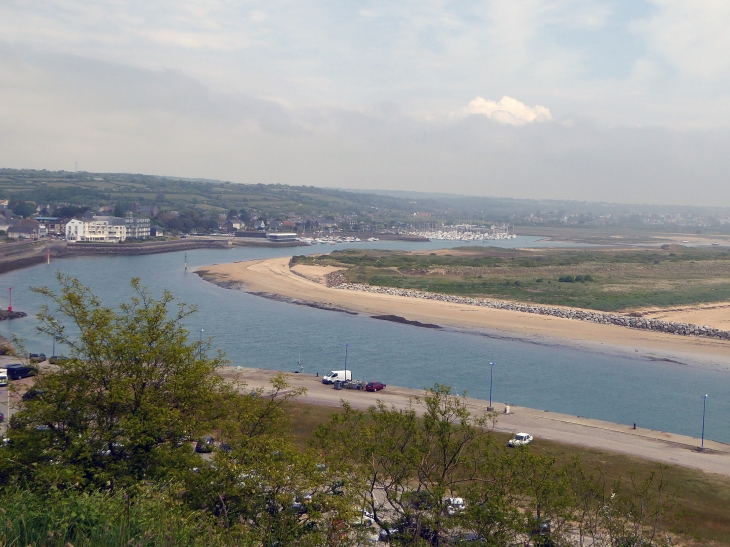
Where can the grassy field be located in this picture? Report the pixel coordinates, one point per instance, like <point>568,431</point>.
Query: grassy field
<point>702,499</point>
<point>606,280</point>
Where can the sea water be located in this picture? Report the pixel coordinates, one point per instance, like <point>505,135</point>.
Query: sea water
<point>259,332</point>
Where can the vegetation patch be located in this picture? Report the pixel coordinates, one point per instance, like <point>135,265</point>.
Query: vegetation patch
<point>603,280</point>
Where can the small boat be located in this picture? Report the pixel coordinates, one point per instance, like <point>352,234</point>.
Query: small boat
<point>715,244</point>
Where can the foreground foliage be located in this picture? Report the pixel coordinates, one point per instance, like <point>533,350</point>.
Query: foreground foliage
<point>102,455</point>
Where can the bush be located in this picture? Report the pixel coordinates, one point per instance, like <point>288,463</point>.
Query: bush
<point>566,279</point>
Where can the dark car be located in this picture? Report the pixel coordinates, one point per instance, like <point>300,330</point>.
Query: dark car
<point>205,445</point>
<point>33,394</point>
<point>374,386</point>
<point>17,371</point>
<point>41,357</point>
<point>57,359</point>
<point>2,417</point>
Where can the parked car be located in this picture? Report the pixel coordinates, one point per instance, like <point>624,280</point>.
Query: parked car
<point>57,359</point>
<point>520,439</point>
<point>41,357</point>
<point>33,357</point>
<point>17,371</point>
<point>2,417</point>
<point>33,394</point>
<point>205,445</point>
<point>374,386</point>
<point>386,533</point>
<point>455,505</point>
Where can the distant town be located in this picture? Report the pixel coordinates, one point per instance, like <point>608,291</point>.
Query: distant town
<point>111,208</point>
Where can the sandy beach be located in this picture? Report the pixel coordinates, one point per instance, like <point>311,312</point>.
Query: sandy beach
<point>305,284</point>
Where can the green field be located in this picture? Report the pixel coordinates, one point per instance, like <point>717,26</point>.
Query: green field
<point>606,280</point>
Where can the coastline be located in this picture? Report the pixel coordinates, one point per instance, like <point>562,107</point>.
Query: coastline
<point>27,254</point>
<point>660,446</point>
<point>273,278</point>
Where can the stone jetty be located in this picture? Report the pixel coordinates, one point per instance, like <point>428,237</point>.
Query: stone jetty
<point>338,281</point>
<point>5,314</point>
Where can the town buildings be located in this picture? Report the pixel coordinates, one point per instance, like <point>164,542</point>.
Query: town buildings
<point>137,228</point>
<point>97,229</point>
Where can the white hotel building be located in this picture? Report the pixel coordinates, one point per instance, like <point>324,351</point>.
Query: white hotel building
<point>98,229</point>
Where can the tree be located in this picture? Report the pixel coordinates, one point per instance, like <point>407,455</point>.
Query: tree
<point>133,387</point>
<point>22,208</point>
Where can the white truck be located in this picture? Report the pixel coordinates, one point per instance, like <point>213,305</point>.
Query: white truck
<point>3,377</point>
<point>336,375</point>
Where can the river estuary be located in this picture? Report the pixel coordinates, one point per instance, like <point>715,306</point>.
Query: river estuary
<point>258,332</point>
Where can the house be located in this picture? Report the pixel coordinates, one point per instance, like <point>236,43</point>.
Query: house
<point>53,225</point>
<point>150,210</point>
<point>156,231</point>
<point>26,228</point>
<point>97,229</point>
<point>232,225</point>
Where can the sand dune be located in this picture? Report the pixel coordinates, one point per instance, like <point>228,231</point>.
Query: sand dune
<point>306,284</point>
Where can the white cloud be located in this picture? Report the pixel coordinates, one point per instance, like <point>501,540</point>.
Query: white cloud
<point>506,111</point>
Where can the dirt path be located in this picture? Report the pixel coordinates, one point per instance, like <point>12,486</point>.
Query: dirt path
<point>668,448</point>
<point>274,277</point>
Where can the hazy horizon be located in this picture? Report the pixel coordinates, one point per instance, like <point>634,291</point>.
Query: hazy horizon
<point>621,102</point>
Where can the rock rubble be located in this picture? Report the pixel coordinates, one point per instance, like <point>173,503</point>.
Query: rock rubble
<point>684,329</point>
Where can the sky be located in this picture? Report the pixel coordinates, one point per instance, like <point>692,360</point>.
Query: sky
<point>621,101</point>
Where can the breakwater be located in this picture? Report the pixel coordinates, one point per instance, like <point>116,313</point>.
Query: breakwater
<point>5,314</point>
<point>338,281</point>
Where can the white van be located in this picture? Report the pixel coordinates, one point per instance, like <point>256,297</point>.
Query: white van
<point>3,377</point>
<point>337,375</point>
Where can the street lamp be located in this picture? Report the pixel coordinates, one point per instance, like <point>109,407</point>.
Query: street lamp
<point>346,346</point>
<point>53,322</point>
<point>704,411</point>
<point>491,381</point>
<point>200,344</point>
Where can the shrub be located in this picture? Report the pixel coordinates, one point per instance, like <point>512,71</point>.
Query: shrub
<point>566,279</point>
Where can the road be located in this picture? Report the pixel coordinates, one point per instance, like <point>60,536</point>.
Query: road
<point>659,446</point>
<point>668,448</point>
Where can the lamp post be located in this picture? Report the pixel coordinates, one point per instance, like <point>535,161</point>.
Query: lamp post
<point>200,344</point>
<point>704,411</point>
<point>491,382</point>
<point>346,346</point>
<point>53,322</point>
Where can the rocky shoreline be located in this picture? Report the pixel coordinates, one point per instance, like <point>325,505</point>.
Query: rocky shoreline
<point>336,280</point>
<point>5,314</point>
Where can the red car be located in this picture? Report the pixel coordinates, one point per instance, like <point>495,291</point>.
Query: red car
<point>374,386</point>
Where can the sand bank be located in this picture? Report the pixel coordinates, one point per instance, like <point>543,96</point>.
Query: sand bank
<point>274,277</point>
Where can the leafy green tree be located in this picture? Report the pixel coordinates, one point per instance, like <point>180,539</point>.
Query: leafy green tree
<point>22,208</point>
<point>134,386</point>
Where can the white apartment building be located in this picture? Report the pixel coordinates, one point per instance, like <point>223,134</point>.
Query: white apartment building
<point>97,229</point>
<point>138,228</point>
